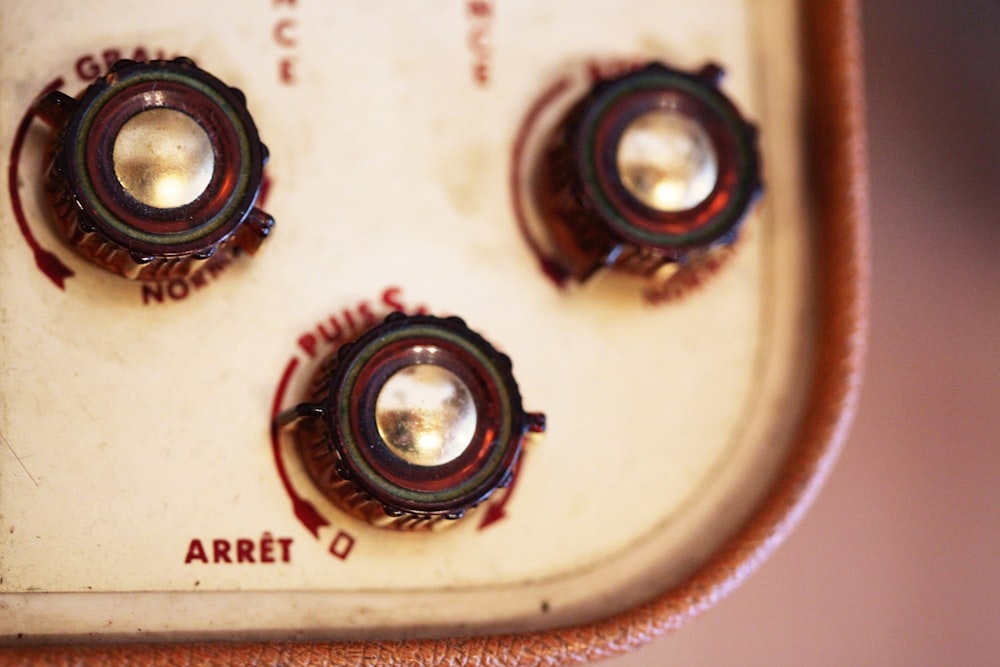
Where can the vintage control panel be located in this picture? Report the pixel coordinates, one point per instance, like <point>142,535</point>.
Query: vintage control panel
<point>523,336</point>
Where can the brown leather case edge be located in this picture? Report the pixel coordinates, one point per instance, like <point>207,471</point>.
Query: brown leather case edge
<point>832,48</point>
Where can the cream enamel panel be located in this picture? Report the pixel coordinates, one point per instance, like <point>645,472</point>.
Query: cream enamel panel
<point>130,429</point>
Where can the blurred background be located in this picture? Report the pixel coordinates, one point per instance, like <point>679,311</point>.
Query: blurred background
<point>898,563</point>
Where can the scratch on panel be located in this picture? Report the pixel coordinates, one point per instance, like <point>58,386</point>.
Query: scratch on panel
<point>24,467</point>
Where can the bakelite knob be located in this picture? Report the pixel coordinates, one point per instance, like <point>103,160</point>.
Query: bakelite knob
<point>646,169</point>
<point>155,168</point>
<point>414,423</point>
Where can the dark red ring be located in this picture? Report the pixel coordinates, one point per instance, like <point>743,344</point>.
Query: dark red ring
<point>348,403</point>
<point>485,396</point>
<point>87,156</point>
<point>104,132</point>
<point>608,135</point>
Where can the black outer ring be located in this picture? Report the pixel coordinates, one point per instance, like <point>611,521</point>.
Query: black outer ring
<point>130,88</point>
<point>598,125</point>
<point>448,489</point>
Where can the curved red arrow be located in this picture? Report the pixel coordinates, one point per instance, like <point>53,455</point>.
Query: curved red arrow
<point>46,261</point>
<point>304,510</point>
<point>549,268</point>
<point>497,510</point>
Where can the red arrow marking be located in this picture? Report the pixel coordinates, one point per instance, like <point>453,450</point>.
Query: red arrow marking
<point>496,511</point>
<point>265,189</point>
<point>548,267</point>
<point>303,509</point>
<point>46,261</point>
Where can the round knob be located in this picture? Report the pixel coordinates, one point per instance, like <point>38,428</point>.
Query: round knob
<point>646,169</point>
<point>155,168</point>
<point>414,423</point>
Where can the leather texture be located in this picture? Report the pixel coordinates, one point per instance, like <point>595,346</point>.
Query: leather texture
<point>832,48</point>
